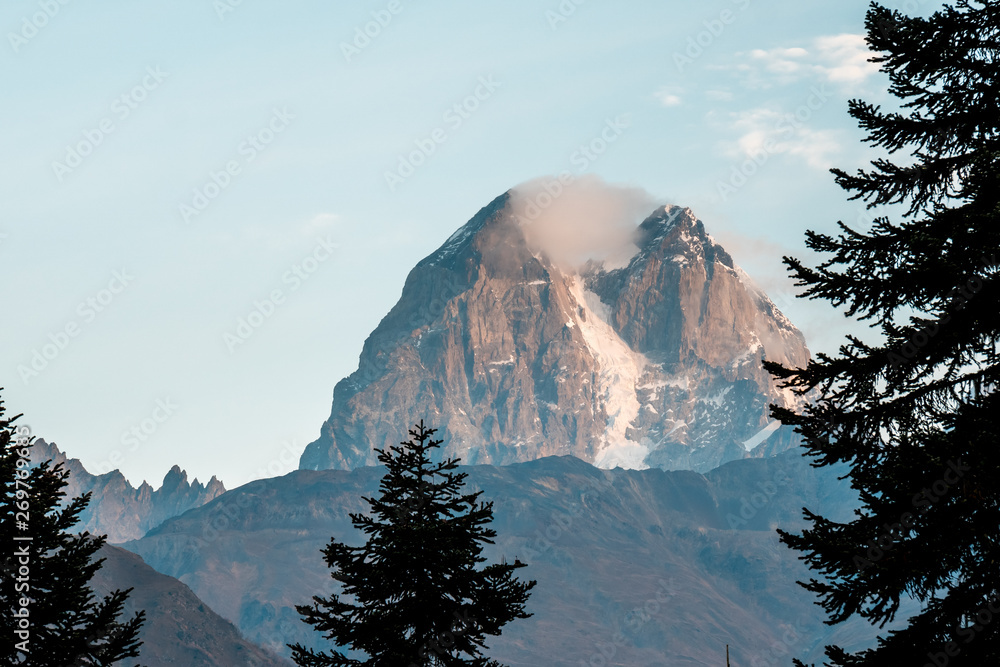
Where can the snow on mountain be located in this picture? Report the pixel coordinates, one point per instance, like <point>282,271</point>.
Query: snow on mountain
<point>647,355</point>
<point>619,369</point>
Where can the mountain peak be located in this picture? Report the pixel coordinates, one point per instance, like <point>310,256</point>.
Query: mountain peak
<point>664,218</point>
<point>174,478</point>
<point>116,508</point>
<point>647,356</point>
<point>459,243</point>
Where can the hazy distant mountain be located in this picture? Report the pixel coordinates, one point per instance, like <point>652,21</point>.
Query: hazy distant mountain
<point>119,510</point>
<point>699,550</point>
<point>179,629</point>
<point>654,361</point>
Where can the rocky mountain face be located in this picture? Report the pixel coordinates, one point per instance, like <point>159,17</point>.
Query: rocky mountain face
<point>654,363</point>
<point>119,510</point>
<point>179,629</point>
<point>634,567</point>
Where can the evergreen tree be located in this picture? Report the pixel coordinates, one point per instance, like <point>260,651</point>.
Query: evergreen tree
<point>915,417</point>
<point>50,614</point>
<point>418,598</point>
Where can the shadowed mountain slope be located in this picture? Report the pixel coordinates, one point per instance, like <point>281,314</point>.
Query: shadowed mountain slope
<point>180,629</point>
<point>694,553</point>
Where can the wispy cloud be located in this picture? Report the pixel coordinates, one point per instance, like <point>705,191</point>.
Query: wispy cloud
<point>848,57</point>
<point>838,59</point>
<point>767,131</point>
<point>669,96</point>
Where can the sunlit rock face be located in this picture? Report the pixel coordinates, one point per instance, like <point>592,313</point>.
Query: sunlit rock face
<point>650,360</point>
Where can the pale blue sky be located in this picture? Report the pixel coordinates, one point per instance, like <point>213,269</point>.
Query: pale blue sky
<point>162,95</point>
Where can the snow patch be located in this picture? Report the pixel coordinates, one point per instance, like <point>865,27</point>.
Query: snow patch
<point>678,382</point>
<point>454,242</point>
<point>792,400</point>
<point>677,424</point>
<point>757,439</point>
<point>625,454</point>
<point>718,398</point>
<point>620,369</point>
<point>751,353</point>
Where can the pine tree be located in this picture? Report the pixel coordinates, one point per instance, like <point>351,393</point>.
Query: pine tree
<point>915,417</point>
<point>51,616</point>
<point>412,596</point>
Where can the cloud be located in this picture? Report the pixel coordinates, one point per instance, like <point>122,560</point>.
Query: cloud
<point>782,62</point>
<point>668,96</point>
<point>848,55</point>
<point>765,130</point>
<point>760,257</point>
<point>572,221</point>
<point>838,59</point>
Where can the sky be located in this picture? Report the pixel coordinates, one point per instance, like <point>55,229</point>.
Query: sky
<point>207,205</point>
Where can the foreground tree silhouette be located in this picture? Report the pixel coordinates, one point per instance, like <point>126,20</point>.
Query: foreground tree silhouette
<point>916,418</point>
<point>50,614</point>
<point>417,597</point>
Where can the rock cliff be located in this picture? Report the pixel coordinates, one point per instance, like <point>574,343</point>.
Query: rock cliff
<point>653,363</point>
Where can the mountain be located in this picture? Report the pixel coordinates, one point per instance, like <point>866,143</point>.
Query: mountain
<point>651,363</point>
<point>634,567</point>
<point>179,629</point>
<point>119,510</point>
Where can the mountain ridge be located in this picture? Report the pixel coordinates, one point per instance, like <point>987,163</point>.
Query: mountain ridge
<point>119,510</point>
<point>599,542</point>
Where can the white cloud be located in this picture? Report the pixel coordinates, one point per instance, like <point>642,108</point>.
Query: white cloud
<point>848,57</point>
<point>783,62</point>
<point>668,100</point>
<point>586,219</point>
<point>787,126</point>
<point>766,131</point>
<point>839,59</point>
<point>668,97</point>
